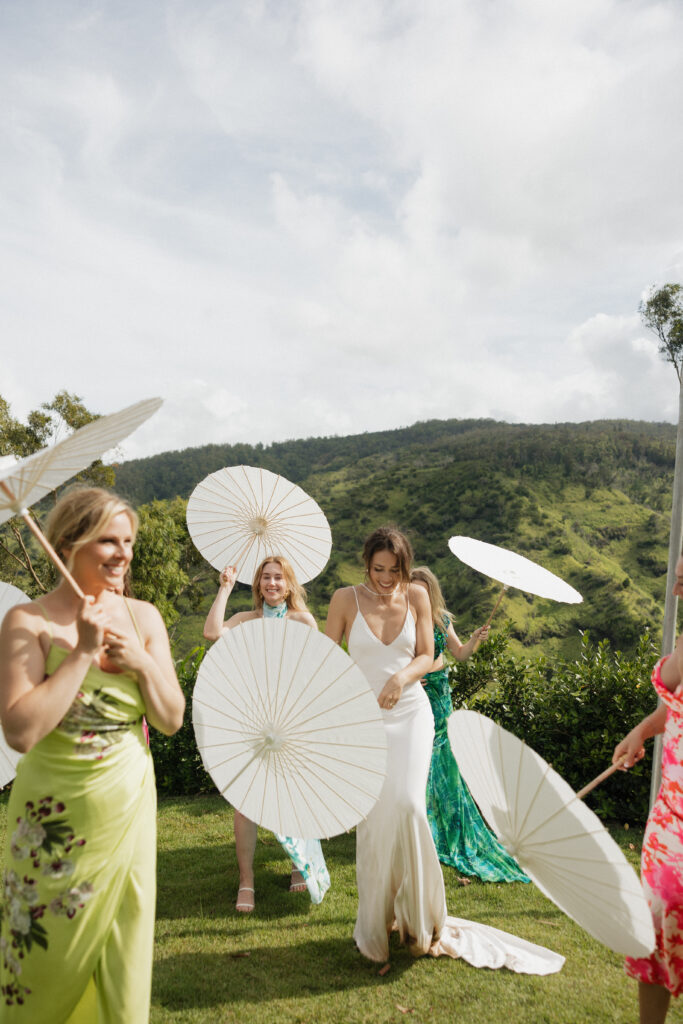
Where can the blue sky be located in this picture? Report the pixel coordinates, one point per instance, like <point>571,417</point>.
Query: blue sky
<point>302,218</point>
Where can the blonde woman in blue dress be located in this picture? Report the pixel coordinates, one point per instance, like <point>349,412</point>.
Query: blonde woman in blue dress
<point>276,594</point>
<point>387,623</point>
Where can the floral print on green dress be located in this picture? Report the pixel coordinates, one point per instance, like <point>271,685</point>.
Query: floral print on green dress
<point>46,842</point>
<point>90,725</point>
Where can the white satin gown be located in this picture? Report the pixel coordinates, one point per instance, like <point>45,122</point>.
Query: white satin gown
<point>399,878</point>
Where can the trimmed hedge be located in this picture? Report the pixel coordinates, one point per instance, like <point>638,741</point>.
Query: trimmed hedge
<point>573,713</point>
<point>177,764</point>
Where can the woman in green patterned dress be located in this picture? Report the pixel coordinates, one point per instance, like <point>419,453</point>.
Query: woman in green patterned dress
<point>461,837</point>
<point>76,678</point>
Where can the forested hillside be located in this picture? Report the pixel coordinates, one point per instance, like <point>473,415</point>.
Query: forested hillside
<point>590,501</point>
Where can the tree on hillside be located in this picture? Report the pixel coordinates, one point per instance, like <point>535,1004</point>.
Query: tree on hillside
<point>662,313</point>
<point>167,568</point>
<point>20,562</point>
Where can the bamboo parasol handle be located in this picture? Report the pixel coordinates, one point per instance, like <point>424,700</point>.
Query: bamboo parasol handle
<point>45,544</point>
<point>601,777</point>
<point>495,607</point>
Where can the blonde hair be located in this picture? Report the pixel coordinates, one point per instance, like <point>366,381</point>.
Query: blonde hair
<point>440,613</point>
<point>80,516</point>
<point>295,596</point>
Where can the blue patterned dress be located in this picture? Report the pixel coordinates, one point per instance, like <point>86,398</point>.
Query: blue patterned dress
<point>460,834</point>
<point>306,854</point>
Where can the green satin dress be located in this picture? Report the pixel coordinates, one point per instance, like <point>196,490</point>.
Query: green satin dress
<point>461,837</point>
<point>79,880</point>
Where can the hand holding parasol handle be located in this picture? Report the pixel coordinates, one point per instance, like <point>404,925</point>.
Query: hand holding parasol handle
<point>601,777</point>
<point>45,544</point>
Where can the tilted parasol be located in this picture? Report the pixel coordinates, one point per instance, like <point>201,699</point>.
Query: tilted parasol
<point>240,515</point>
<point>9,597</point>
<point>25,482</point>
<point>289,729</point>
<point>512,570</point>
<point>553,835</point>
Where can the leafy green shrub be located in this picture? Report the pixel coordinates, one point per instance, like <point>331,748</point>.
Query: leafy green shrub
<point>177,764</point>
<point>573,713</point>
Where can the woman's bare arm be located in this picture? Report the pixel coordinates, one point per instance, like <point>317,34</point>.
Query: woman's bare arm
<point>215,624</point>
<point>462,651</point>
<point>153,666</point>
<point>632,747</point>
<point>337,614</point>
<point>31,703</point>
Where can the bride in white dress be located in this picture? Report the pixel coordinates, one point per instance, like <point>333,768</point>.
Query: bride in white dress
<point>387,623</point>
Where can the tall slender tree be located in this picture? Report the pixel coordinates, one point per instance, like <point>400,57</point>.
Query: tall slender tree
<point>662,312</point>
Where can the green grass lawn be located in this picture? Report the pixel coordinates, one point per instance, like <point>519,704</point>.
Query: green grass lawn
<point>291,961</point>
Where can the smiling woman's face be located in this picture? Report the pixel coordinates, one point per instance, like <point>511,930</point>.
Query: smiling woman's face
<point>104,561</point>
<point>384,572</point>
<point>273,583</point>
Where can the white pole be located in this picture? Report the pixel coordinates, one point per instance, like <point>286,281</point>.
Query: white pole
<point>671,602</point>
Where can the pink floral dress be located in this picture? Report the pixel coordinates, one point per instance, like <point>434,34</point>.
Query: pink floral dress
<point>661,868</point>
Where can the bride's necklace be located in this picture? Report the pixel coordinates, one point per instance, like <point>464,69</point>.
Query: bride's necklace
<point>375,593</point>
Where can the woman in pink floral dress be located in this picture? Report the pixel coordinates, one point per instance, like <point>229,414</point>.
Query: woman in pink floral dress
<point>661,974</point>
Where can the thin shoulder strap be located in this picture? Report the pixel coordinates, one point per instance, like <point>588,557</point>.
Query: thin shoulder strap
<point>355,594</point>
<point>134,621</point>
<point>46,617</point>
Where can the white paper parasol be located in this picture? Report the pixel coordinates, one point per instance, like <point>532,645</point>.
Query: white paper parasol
<point>554,836</point>
<point>9,596</point>
<point>240,515</point>
<point>25,482</point>
<point>289,729</point>
<point>512,570</point>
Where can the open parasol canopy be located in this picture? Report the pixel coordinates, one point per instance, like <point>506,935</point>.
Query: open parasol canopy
<point>9,597</point>
<point>512,570</point>
<point>240,515</point>
<point>25,482</point>
<point>289,729</point>
<point>558,840</point>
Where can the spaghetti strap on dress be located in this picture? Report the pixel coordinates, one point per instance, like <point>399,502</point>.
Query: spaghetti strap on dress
<point>79,881</point>
<point>400,884</point>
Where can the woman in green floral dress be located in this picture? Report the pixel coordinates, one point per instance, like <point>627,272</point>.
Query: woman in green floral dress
<point>76,678</point>
<point>461,837</point>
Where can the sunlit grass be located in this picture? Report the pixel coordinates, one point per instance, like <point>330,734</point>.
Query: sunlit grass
<point>291,962</point>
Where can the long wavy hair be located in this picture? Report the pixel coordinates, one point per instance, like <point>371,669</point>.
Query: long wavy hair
<point>440,613</point>
<point>295,596</point>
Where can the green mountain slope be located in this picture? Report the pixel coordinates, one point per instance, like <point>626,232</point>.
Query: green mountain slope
<point>590,501</point>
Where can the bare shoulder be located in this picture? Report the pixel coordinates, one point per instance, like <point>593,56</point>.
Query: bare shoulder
<point>305,617</point>
<point>26,616</point>
<point>344,596</point>
<point>418,597</point>
<point>145,613</point>
<point>239,617</point>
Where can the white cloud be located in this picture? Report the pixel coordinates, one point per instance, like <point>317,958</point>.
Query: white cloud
<point>312,217</point>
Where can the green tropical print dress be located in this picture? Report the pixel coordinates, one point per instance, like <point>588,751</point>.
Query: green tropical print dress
<point>460,835</point>
<point>79,871</point>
